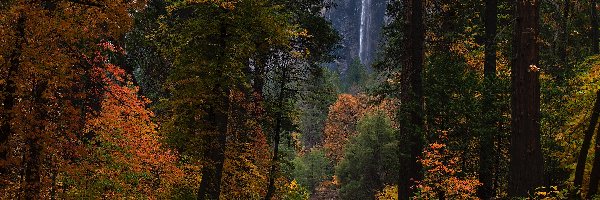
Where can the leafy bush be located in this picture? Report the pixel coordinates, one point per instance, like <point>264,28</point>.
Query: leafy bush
<point>312,168</point>
<point>293,191</point>
<point>390,192</point>
<point>444,178</point>
<point>370,159</point>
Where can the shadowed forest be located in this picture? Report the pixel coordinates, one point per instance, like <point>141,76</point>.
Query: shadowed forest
<point>299,99</point>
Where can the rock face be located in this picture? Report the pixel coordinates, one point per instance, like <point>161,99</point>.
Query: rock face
<point>359,22</point>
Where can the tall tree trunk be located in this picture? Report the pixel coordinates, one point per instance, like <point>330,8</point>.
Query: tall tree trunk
<point>565,35</point>
<point>53,184</point>
<point>595,48</point>
<point>487,151</point>
<point>276,136</point>
<point>595,174</point>
<point>490,22</point>
<point>583,152</point>
<point>526,164</point>
<point>374,178</point>
<point>561,43</point>
<point>9,89</point>
<point>33,162</point>
<point>411,96</point>
<point>32,169</point>
<point>210,185</point>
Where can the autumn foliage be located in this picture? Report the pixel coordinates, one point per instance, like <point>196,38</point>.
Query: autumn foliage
<point>73,124</point>
<point>390,192</point>
<point>343,116</point>
<point>370,159</point>
<point>240,99</point>
<point>247,155</point>
<point>444,178</point>
<point>125,150</point>
<point>341,124</point>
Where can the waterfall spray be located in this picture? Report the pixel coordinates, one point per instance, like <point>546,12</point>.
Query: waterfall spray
<point>363,19</point>
<point>365,32</point>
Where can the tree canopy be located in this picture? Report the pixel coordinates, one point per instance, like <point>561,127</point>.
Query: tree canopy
<point>299,99</point>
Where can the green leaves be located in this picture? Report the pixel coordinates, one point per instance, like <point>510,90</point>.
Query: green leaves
<point>369,163</point>
<point>312,168</point>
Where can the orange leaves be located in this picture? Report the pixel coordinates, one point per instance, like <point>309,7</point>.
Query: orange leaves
<point>341,124</point>
<point>96,137</point>
<point>343,117</point>
<point>126,142</point>
<point>111,47</point>
<point>443,176</point>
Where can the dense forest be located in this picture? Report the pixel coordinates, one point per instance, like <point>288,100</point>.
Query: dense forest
<point>299,99</point>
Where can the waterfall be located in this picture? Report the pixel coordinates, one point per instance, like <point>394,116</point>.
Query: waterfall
<point>360,23</point>
<point>363,21</point>
<point>365,32</point>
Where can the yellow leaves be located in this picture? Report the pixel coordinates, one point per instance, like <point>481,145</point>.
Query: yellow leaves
<point>467,48</point>
<point>542,194</point>
<point>224,4</point>
<point>303,33</point>
<point>576,108</point>
<point>293,190</point>
<point>245,172</point>
<point>247,156</point>
<point>390,192</point>
<point>299,54</point>
<point>293,185</point>
<point>335,180</point>
<point>228,5</point>
<point>551,193</point>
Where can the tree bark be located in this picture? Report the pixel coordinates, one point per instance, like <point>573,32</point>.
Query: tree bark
<point>594,18</point>
<point>210,185</point>
<point>565,36</point>
<point>583,152</point>
<point>595,174</point>
<point>490,22</point>
<point>32,169</point>
<point>526,164</point>
<point>33,162</point>
<point>276,136</point>
<point>487,151</point>
<point>9,89</point>
<point>411,96</point>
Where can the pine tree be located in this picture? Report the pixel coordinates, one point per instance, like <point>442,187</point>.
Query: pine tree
<point>527,164</point>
